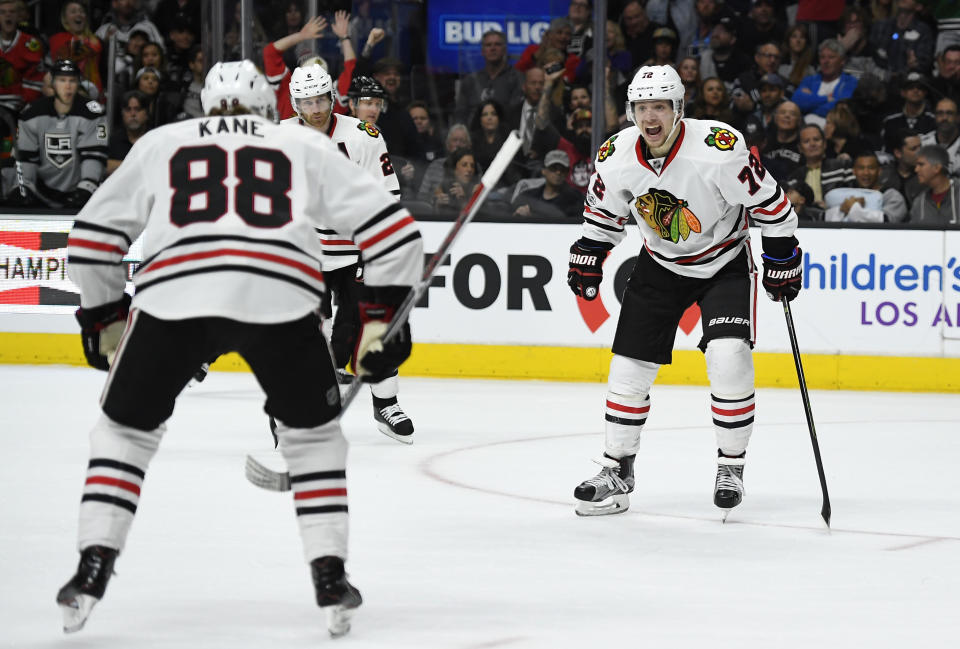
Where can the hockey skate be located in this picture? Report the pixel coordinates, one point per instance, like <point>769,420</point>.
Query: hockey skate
<point>335,595</point>
<point>344,377</point>
<point>728,491</point>
<point>86,588</point>
<point>606,492</point>
<point>392,421</point>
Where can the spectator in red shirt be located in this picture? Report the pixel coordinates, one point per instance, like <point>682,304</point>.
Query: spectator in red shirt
<point>21,79</point>
<point>77,42</point>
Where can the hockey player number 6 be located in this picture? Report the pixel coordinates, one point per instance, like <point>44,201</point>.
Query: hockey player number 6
<point>189,185</point>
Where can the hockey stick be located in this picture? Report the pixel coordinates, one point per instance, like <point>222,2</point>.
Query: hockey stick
<point>825,510</point>
<point>272,480</point>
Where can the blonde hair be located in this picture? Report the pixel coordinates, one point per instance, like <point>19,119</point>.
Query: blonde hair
<point>86,33</point>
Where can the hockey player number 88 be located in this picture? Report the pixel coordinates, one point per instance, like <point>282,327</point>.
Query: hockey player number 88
<point>189,186</point>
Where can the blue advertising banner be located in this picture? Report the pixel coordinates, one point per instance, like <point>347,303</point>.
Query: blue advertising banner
<point>454,29</point>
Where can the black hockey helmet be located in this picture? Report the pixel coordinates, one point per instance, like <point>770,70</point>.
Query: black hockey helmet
<point>363,87</point>
<point>64,68</point>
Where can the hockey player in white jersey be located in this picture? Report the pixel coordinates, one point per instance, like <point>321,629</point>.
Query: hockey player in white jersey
<point>228,205</point>
<point>691,186</point>
<point>312,96</point>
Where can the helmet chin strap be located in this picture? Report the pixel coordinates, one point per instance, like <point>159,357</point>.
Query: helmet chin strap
<point>660,151</point>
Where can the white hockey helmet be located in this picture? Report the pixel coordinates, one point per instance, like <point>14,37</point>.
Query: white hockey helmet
<point>310,81</point>
<point>653,82</point>
<point>238,83</point>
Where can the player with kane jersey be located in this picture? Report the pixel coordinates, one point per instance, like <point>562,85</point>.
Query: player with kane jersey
<point>228,205</point>
<point>691,185</point>
<point>312,97</point>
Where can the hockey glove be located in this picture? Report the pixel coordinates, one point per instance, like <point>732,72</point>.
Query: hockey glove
<point>373,359</point>
<point>782,278</point>
<point>100,329</point>
<point>586,267</point>
<point>80,195</point>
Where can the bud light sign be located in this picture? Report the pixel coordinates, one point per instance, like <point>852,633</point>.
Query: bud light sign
<point>457,28</point>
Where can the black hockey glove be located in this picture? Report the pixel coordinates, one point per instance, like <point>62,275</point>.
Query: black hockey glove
<point>100,329</point>
<point>586,267</point>
<point>77,198</point>
<point>373,360</point>
<point>782,278</point>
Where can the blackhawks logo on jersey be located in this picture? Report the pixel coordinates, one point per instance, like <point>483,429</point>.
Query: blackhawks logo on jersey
<point>667,215</point>
<point>369,129</point>
<point>606,149</point>
<point>721,138</point>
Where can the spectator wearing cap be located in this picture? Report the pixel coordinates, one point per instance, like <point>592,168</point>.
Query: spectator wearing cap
<point>901,174</point>
<point>577,148</point>
<point>939,203</point>
<point>866,200</point>
<point>553,197</point>
<point>746,87</point>
<point>638,32</point>
<point>761,26</point>
<point>556,37</point>
<point>135,120</point>
<point>161,110</point>
<point>770,88</point>
<point>497,80</point>
<point>946,82</point>
<point>914,114</point>
<point>820,92</point>
<point>128,60</point>
<point>947,133</point>
<point>801,196</point>
<point>904,42</point>
<point>721,58</point>
<point>77,42</point>
<point>665,43</point>
<point>124,18</point>
<point>618,58</point>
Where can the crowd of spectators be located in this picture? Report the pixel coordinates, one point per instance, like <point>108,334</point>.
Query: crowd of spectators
<point>852,105</point>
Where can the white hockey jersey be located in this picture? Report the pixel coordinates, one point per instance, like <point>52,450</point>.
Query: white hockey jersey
<point>361,142</point>
<point>690,205</point>
<point>228,207</point>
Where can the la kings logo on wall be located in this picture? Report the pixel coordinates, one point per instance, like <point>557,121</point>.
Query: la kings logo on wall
<point>59,149</point>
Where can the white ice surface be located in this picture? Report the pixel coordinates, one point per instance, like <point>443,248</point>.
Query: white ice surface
<point>468,540</point>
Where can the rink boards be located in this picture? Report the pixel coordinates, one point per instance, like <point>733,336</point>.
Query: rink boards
<point>880,309</point>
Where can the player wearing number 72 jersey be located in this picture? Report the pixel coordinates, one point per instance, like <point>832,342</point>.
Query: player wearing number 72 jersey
<point>691,186</point>
<point>228,205</point>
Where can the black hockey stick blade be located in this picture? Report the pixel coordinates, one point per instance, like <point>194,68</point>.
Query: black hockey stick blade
<point>825,510</point>
<point>267,478</point>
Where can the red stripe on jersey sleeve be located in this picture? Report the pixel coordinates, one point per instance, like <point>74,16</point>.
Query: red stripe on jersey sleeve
<point>774,210</point>
<point>399,225</point>
<point>95,245</point>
